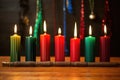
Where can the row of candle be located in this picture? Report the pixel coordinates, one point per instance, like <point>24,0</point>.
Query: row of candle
<point>30,45</point>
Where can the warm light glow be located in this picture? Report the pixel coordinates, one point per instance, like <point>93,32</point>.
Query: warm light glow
<point>44,26</point>
<point>75,30</point>
<point>30,31</point>
<point>59,31</point>
<point>15,28</point>
<point>105,29</point>
<point>90,30</point>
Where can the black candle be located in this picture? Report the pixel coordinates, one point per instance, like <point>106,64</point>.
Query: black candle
<point>30,45</point>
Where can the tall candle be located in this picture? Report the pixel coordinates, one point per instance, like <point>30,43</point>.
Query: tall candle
<point>59,46</point>
<point>90,47</point>
<point>15,42</point>
<point>75,47</point>
<point>45,44</point>
<point>30,45</point>
<point>105,47</point>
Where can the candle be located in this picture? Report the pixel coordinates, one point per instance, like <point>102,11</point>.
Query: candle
<point>105,47</point>
<point>30,45</point>
<point>75,47</point>
<point>59,47</point>
<point>90,47</point>
<point>15,41</point>
<point>45,44</point>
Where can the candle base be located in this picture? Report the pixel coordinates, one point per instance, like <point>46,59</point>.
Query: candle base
<point>60,64</point>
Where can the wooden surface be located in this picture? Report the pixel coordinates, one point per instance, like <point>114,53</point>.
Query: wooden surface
<point>59,73</point>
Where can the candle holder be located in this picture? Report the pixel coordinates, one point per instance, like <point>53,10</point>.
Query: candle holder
<point>60,64</point>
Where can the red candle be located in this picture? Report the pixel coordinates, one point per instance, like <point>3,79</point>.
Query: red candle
<point>75,47</point>
<point>105,47</point>
<point>59,47</point>
<point>45,45</point>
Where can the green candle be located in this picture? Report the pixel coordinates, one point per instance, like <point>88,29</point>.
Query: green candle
<point>15,41</point>
<point>30,45</point>
<point>90,47</point>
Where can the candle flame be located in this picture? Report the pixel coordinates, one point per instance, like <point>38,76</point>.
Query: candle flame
<point>59,31</point>
<point>75,30</point>
<point>90,30</point>
<point>15,28</point>
<point>105,29</point>
<point>30,31</point>
<point>44,26</point>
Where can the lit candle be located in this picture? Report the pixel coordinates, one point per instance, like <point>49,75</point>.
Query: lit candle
<point>105,47</point>
<point>15,42</point>
<point>90,47</point>
<point>59,46</point>
<point>45,44</point>
<point>30,45</point>
<point>75,47</point>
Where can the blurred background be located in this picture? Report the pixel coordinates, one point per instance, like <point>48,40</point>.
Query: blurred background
<point>23,13</point>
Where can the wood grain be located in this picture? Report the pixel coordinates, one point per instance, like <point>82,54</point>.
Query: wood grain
<point>59,73</point>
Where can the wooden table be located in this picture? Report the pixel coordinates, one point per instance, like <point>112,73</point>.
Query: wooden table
<point>59,73</point>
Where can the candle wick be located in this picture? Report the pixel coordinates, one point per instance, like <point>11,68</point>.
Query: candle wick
<point>75,36</point>
<point>59,34</point>
<point>15,32</point>
<point>105,35</point>
<point>30,35</point>
<point>45,33</point>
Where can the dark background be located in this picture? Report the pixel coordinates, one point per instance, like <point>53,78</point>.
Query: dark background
<point>11,11</point>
